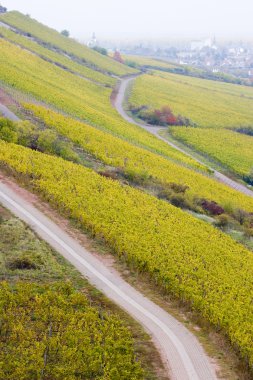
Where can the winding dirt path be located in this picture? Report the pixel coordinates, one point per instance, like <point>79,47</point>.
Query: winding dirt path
<point>119,102</point>
<point>181,352</point>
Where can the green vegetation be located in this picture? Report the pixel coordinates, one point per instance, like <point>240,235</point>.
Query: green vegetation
<point>139,164</point>
<point>232,149</point>
<point>27,134</point>
<point>215,111</point>
<point>148,233</point>
<point>53,333</point>
<point>100,50</point>
<point>144,63</point>
<point>147,62</point>
<point>65,33</point>
<point>48,327</point>
<point>206,103</point>
<point>76,96</point>
<point>56,58</point>
<point>154,236</point>
<point>53,39</point>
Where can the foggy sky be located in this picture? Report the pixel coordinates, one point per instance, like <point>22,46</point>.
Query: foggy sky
<point>156,19</point>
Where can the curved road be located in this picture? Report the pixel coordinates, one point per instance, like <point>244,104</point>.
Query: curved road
<point>181,351</point>
<point>118,103</point>
<point>182,354</point>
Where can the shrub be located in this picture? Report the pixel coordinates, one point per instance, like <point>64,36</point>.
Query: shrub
<point>136,110</point>
<point>165,194</point>
<point>65,150</point>
<point>249,178</point>
<point>163,117</point>
<point>117,57</point>
<point>27,134</point>
<point>108,174</point>
<point>212,207</point>
<point>138,178</point>
<point>47,141</point>
<point>178,188</point>
<point>23,262</point>
<point>65,33</point>
<point>3,9</point>
<point>131,64</point>
<point>100,50</point>
<point>222,221</point>
<point>179,200</point>
<point>240,215</point>
<point>8,131</point>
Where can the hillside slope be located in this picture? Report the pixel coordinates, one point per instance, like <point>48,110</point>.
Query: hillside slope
<point>55,40</point>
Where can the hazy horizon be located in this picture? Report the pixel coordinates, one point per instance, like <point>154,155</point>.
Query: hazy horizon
<point>160,19</point>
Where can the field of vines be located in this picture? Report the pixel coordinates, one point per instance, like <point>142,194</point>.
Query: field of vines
<point>206,103</point>
<point>68,45</point>
<point>33,76</point>
<point>56,57</point>
<point>189,258</point>
<point>48,332</point>
<point>119,153</point>
<point>232,149</point>
<point>149,62</point>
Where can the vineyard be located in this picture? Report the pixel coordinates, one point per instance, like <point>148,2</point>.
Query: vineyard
<point>232,149</point>
<point>56,57</point>
<point>30,74</point>
<point>48,332</point>
<point>118,153</point>
<point>157,209</point>
<point>45,293</point>
<point>154,236</point>
<point>67,45</point>
<point>205,103</point>
<point>148,62</point>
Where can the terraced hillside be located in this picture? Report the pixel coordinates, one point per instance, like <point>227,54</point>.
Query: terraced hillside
<point>194,261</point>
<point>85,100</point>
<point>91,102</point>
<point>58,59</point>
<point>148,62</point>
<point>55,40</point>
<point>68,104</point>
<point>230,148</point>
<point>217,111</point>
<point>133,160</point>
<point>152,63</point>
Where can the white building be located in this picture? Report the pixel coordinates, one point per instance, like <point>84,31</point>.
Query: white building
<point>198,45</point>
<point>93,41</point>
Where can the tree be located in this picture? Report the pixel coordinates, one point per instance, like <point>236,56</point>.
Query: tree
<point>100,50</point>
<point>3,9</point>
<point>65,33</point>
<point>117,57</point>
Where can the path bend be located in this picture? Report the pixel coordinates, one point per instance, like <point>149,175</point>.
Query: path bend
<point>118,104</point>
<point>180,350</point>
